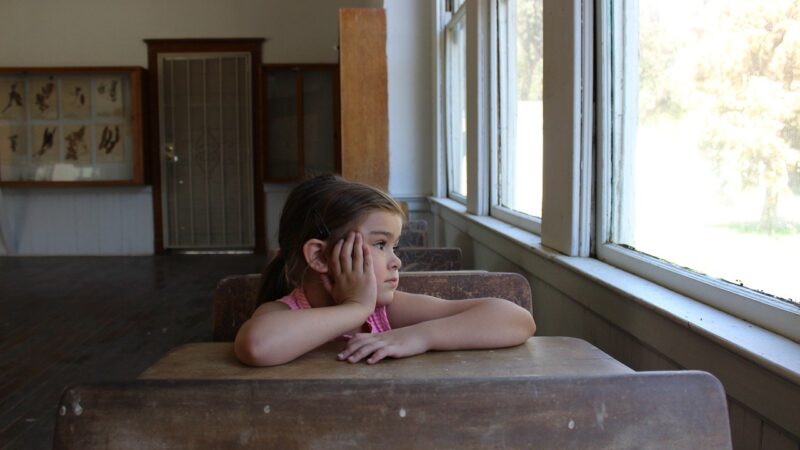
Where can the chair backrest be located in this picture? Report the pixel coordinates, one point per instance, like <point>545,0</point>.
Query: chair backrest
<point>235,296</point>
<point>674,410</point>
<point>419,259</point>
<point>414,234</point>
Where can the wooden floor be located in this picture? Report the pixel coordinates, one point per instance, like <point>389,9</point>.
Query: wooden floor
<point>67,320</point>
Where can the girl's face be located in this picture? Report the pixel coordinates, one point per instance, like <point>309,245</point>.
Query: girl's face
<point>381,231</point>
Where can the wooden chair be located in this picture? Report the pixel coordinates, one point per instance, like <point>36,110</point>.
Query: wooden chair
<point>235,296</point>
<point>414,234</point>
<point>420,259</point>
<point>671,410</point>
<point>425,259</point>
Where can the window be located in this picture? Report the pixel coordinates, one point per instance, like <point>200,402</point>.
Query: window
<point>518,196</point>
<point>705,160</point>
<point>456,104</point>
<point>301,120</point>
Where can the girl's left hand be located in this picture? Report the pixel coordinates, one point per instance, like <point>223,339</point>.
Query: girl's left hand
<point>398,343</point>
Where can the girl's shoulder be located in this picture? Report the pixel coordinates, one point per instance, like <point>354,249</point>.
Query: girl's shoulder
<point>270,307</point>
<point>294,300</point>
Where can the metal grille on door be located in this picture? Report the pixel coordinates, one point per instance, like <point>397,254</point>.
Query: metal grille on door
<point>205,104</point>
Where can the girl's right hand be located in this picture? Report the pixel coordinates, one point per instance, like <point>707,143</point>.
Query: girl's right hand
<point>352,279</point>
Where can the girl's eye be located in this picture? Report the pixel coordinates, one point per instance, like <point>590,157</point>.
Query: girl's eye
<point>381,245</point>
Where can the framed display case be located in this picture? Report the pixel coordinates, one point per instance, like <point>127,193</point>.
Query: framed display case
<point>71,126</point>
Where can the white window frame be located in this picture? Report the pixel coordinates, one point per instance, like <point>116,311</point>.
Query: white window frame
<point>452,20</point>
<point>612,128</point>
<point>571,181</point>
<point>502,75</point>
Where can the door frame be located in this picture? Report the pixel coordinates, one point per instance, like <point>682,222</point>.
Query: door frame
<point>248,45</point>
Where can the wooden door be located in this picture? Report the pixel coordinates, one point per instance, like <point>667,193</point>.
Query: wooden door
<point>207,178</point>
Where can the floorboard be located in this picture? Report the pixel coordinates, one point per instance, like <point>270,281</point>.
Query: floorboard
<point>69,320</point>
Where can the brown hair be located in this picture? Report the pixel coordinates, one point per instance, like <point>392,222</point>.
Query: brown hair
<point>324,207</point>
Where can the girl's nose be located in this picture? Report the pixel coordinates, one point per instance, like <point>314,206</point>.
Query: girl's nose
<point>394,262</point>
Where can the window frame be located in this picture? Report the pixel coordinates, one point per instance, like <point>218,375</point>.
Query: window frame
<point>452,20</point>
<point>502,75</point>
<point>580,133</point>
<point>761,309</point>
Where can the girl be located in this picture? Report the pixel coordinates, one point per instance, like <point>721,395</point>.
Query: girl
<point>336,276</point>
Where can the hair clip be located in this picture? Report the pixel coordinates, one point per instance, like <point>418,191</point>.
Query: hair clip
<point>322,230</point>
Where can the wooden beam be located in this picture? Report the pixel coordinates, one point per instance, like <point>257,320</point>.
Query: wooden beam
<point>364,96</point>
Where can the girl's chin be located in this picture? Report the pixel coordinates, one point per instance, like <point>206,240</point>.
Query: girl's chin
<point>385,299</point>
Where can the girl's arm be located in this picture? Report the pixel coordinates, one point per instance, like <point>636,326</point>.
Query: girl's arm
<point>421,323</point>
<point>276,334</point>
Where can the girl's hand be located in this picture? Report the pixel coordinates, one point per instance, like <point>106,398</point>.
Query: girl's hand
<point>398,343</point>
<point>351,277</point>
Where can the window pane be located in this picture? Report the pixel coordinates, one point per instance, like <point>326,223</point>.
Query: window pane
<point>282,158</point>
<point>457,107</point>
<point>709,171</point>
<point>520,152</point>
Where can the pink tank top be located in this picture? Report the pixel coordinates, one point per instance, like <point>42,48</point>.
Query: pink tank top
<point>377,322</point>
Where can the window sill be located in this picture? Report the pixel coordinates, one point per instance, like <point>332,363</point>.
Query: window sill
<point>775,353</point>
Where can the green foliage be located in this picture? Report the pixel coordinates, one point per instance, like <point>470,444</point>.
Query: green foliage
<point>529,49</point>
<point>745,83</point>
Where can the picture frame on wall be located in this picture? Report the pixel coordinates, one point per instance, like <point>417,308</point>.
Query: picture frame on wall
<point>71,126</point>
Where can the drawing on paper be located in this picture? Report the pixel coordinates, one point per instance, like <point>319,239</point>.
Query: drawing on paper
<point>11,100</point>
<point>108,97</point>
<point>12,145</point>
<point>76,140</point>
<point>45,145</point>
<point>45,102</point>
<point>75,98</point>
<point>109,143</point>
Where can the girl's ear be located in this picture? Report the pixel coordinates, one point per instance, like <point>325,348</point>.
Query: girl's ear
<point>314,253</point>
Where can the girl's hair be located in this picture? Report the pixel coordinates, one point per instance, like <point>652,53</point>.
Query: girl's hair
<point>324,207</point>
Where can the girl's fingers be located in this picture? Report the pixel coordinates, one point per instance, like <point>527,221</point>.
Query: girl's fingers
<point>365,351</point>
<point>336,266</point>
<point>367,259</point>
<point>378,355</point>
<point>346,256</point>
<point>354,344</point>
<point>358,253</point>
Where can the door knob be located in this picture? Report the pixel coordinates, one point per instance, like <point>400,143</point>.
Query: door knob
<point>169,153</point>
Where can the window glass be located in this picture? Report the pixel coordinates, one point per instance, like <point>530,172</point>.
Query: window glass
<point>708,173</point>
<point>457,106</point>
<point>521,126</point>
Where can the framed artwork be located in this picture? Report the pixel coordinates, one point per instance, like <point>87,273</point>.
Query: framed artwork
<point>75,97</point>
<point>69,126</point>
<point>12,99</point>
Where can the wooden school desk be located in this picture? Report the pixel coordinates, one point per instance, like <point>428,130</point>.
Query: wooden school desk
<point>539,356</point>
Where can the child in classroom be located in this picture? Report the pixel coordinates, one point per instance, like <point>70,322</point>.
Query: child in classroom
<point>336,275</point>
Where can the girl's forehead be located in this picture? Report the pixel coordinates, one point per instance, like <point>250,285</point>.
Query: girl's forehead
<point>382,221</point>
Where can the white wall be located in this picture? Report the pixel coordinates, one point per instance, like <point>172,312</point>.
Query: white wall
<point>111,33</point>
<point>410,89</point>
<point>78,221</point>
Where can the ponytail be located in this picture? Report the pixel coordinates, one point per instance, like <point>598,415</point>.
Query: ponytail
<point>274,284</point>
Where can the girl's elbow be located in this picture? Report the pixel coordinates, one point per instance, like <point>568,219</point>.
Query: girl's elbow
<point>531,325</point>
<point>254,352</point>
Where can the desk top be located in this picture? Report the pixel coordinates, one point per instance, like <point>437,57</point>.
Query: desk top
<point>539,356</point>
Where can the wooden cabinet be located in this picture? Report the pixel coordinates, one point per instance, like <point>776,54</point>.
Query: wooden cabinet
<point>302,120</point>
